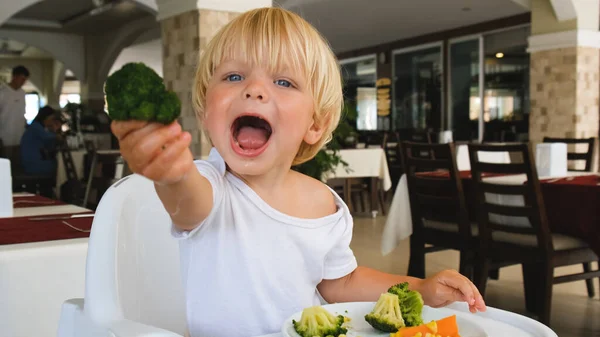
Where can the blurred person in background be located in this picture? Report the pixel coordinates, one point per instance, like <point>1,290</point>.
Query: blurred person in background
<point>39,143</point>
<point>12,113</point>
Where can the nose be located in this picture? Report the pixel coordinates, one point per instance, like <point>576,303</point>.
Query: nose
<point>256,90</point>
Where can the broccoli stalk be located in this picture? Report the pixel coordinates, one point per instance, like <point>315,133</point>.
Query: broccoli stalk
<point>411,304</point>
<point>137,92</point>
<point>318,322</point>
<point>386,316</point>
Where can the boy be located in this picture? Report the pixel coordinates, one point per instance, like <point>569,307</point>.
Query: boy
<point>260,241</point>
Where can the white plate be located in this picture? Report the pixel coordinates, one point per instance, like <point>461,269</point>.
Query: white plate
<point>356,311</point>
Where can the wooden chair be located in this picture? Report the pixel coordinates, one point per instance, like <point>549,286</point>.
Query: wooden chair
<point>415,136</point>
<point>438,207</point>
<point>106,162</point>
<point>577,156</point>
<point>528,242</point>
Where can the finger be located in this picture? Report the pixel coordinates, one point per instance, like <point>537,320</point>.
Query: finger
<point>479,303</point>
<point>122,128</point>
<point>134,137</point>
<point>462,288</point>
<point>165,163</point>
<point>149,142</point>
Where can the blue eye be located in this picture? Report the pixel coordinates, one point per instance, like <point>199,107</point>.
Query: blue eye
<point>234,78</point>
<point>283,83</point>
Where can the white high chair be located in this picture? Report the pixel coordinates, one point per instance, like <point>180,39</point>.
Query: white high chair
<point>133,286</point>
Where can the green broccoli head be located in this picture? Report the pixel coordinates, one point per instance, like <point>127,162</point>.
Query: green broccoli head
<point>411,303</point>
<point>318,322</point>
<point>169,108</point>
<point>386,316</point>
<point>137,92</point>
<point>145,111</point>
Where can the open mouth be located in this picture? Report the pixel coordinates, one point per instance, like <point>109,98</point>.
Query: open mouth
<point>251,133</point>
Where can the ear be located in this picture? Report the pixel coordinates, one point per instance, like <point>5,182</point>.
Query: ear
<point>314,133</point>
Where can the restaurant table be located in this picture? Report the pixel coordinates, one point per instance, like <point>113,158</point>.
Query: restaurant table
<point>363,163</point>
<point>42,263</point>
<point>571,206</point>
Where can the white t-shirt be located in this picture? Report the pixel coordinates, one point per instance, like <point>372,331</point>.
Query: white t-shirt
<point>12,111</point>
<point>248,267</point>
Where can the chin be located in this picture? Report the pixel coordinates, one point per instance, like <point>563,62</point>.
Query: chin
<point>248,167</point>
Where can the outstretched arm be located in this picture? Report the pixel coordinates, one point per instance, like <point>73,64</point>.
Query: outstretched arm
<point>365,284</point>
<point>161,153</point>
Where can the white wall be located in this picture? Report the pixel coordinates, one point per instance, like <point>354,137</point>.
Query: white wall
<point>67,48</point>
<point>149,53</point>
<point>35,67</point>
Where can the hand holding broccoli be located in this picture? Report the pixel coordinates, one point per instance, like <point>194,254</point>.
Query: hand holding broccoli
<point>158,152</point>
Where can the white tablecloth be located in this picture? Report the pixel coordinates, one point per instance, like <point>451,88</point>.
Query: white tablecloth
<point>364,163</point>
<point>47,210</point>
<point>36,278</point>
<point>398,225</point>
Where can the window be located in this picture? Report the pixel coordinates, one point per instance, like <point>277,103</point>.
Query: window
<point>489,86</point>
<point>417,86</point>
<point>69,98</point>
<point>32,106</point>
<point>360,93</point>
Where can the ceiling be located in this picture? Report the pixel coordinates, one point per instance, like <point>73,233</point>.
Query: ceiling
<point>80,16</point>
<point>355,23</point>
<point>361,23</point>
<point>15,49</point>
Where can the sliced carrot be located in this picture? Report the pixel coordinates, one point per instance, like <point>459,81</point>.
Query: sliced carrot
<point>447,326</point>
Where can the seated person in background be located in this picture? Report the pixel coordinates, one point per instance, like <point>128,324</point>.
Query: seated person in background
<point>39,143</point>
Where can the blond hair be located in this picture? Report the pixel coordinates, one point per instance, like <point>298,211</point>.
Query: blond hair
<point>277,38</point>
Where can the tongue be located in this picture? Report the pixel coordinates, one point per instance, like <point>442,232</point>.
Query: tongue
<point>251,138</point>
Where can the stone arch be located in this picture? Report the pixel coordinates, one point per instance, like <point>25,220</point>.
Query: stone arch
<point>66,48</point>
<point>124,37</point>
<point>150,5</point>
<point>10,8</point>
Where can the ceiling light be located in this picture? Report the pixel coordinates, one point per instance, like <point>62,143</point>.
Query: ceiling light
<point>499,55</point>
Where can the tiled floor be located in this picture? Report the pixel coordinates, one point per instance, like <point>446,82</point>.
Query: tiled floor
<point>573,313</point>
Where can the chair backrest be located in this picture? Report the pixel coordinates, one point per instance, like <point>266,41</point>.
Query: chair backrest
<point>372,138</point>
<point>415,136</point>
<point>509,208</point>
<point>68,162</point>
<point>132,267</point>
<point>391,147</point>
<point>435,186</point>
<point>573,144</point>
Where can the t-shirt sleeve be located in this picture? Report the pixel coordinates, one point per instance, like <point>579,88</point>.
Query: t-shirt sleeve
<point>340,261</point>
<point>213,169</point>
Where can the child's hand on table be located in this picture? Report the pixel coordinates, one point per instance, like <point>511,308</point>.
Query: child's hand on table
<point>449,286</point>
<point>158,152</point>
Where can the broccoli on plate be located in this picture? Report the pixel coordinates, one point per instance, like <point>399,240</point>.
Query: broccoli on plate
<point>386,315</point>
<point>411,304</point>
<point>137,92</point>
<point>318,322</point>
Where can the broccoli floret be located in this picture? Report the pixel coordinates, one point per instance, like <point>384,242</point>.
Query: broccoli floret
<point>411,304</point>
<point>168,108</point>
<point>144,112</point>
<point>318,322</point>
<point>386,315</point>
<point>137,92</point>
